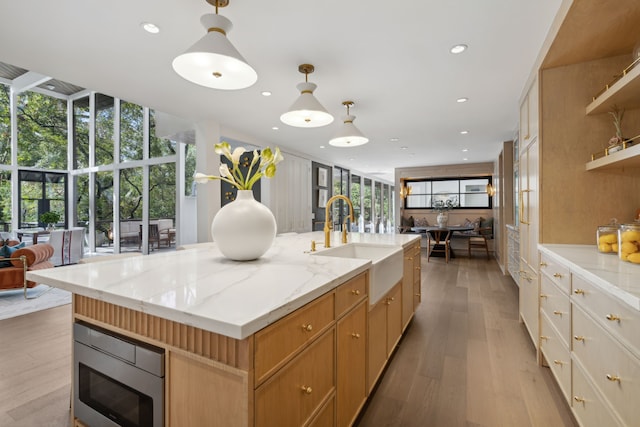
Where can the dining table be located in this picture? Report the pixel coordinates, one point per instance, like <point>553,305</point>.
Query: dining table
<point>33,233</point>
<point>453,228</point>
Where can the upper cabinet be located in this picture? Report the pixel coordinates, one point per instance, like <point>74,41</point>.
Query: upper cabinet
<point>529,116</point>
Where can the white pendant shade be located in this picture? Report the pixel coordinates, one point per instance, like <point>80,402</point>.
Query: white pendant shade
<point>348,135</point>
<point>306,112</point>
<point>213,61</point>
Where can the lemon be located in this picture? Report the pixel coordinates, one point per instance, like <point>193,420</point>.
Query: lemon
<point>604,247</point>
<point>614,247</point>
<point>608,238</point>
<point>635,258</point>
<point>628,247</point>
<point>631,236</point>
<point>624,256</point>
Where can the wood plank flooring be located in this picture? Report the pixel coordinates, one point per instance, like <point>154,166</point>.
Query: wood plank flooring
<point>465,361</point>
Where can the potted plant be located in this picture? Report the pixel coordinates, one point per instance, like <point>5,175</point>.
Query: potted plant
<point>50,218</point>
<point>617,142</point>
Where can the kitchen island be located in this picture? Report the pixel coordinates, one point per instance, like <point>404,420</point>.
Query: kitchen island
<point>283,340</point>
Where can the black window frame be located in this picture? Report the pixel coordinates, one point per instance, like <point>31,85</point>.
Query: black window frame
<point>458,194</point>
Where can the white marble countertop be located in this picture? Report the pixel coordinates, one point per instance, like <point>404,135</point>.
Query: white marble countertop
<point>202,288</point>
<point>618,278</point>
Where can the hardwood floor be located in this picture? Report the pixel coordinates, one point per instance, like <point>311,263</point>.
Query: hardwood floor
<point>465,361</point>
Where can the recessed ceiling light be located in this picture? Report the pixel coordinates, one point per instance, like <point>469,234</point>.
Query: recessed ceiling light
<point>461,100</point>
<point>404,148</point>
<point>465,159</point>
<point>275,128</point>
<point>459,48</point>
<point>265,93</point>
<point>150,28</point>
<point>464,150</point>
<point>394,139</point>
<point>322,146</point>
<point>351,159</point>
<point>464,132</point>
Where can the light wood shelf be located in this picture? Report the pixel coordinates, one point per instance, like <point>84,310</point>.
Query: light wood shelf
<point>627,158</point>
<point>624,93</point>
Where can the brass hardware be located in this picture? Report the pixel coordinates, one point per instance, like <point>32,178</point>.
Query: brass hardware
<point>389,300</point>
<point>558,362</point>
<point>327,219</point>
<point>307,327</point>
<point>543,264</point>
<point>313,246</point>
<point>355,291</point>
<point>557,275</point>
<point>306,389</point>
<point>612,317</point>
<point>544,296</point>
<point>578,292</point>
<point>613,378</point>
<point>417,295</point>
<point>355,335</point>
<point>578,399</point>
<point>392,299</point>
<point>418,268</point>
<point>410,258</point>
<point>556,312</point>
<point>578,338</point>
<point>544,337</point>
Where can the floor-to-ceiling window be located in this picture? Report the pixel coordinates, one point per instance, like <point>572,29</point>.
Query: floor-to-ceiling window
<point>367,206</point>
<point>356,199</point>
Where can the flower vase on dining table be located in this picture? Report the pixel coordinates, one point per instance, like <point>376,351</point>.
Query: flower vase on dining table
<point>442,219</point>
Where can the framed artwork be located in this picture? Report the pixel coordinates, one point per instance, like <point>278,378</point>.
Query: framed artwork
<point>322,198</point>
<point>322,177</point>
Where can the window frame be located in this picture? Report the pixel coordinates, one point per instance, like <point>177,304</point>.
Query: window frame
<point>458,194</point>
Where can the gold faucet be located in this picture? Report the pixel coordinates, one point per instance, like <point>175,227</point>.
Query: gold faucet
<point>327,223</point>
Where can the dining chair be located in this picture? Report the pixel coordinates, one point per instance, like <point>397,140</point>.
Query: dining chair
<point>154,236</point>
<point>480,240</point>
<point>439,241</point>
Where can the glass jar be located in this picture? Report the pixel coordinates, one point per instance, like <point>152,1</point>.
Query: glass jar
<point>607,238</point>
<point>629,242</point>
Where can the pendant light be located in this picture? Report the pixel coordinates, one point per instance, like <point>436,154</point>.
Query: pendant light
<point>213,61</point>
<point>306,112</point>
<point>348,135</point>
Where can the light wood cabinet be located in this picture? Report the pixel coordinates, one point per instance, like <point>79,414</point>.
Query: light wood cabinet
<point>411,293</point>
<point>295,393</point>
<point>529,116</point>
<point>352,380</point>
<point>513,250</point>
<point>385,330</point>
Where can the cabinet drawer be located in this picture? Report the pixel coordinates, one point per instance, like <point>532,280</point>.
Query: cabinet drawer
<point>557,272</point>
<point>294,394</point>
<point>613,370</point>
<point>350,293</point>
<point>556,305</point>
<point>587,405</point>
<point>613,315</point>
<point>277,343</point>
<point>557,355</point>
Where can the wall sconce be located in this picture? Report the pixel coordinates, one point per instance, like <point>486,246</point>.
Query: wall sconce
<point>491,190</point>
<point>405,191</point>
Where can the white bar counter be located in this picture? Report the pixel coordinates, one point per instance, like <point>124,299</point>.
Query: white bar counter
<point>618,278</point>
<point>202,288</point>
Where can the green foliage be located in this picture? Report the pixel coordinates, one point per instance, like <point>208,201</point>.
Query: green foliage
<point>50,217</point>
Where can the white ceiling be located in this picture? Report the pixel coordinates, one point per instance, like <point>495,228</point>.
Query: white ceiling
<point>391,58</point>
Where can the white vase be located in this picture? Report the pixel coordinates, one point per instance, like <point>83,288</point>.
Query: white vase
<point>244,229</point>
<point>442,219</point>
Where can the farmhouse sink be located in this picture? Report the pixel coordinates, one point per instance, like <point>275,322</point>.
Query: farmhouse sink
<point>386,264</point>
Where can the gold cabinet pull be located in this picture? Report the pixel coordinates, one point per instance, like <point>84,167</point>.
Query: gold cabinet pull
<point>389,300</point>
<point>612,317</point>
<point>578,399</point>
<point>355,335</point>
<point>355,291</point>
<point>579,291</point>
<point>578,338</point>
<point>306,389</point>
<point>418,268</point>
<point>410,258</point>
<point>544,337</point>
<point>543,264</point>
<point>417,295</point>
<point>558,313</point>
<point>558,362</point>
<point>544,296</point>
<point>557,275</point>
<point>307,327</point>
<point>613,378</point>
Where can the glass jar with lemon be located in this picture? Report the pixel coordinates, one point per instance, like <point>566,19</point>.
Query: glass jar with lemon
<point>607,238</point>
<point>629,243</point>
